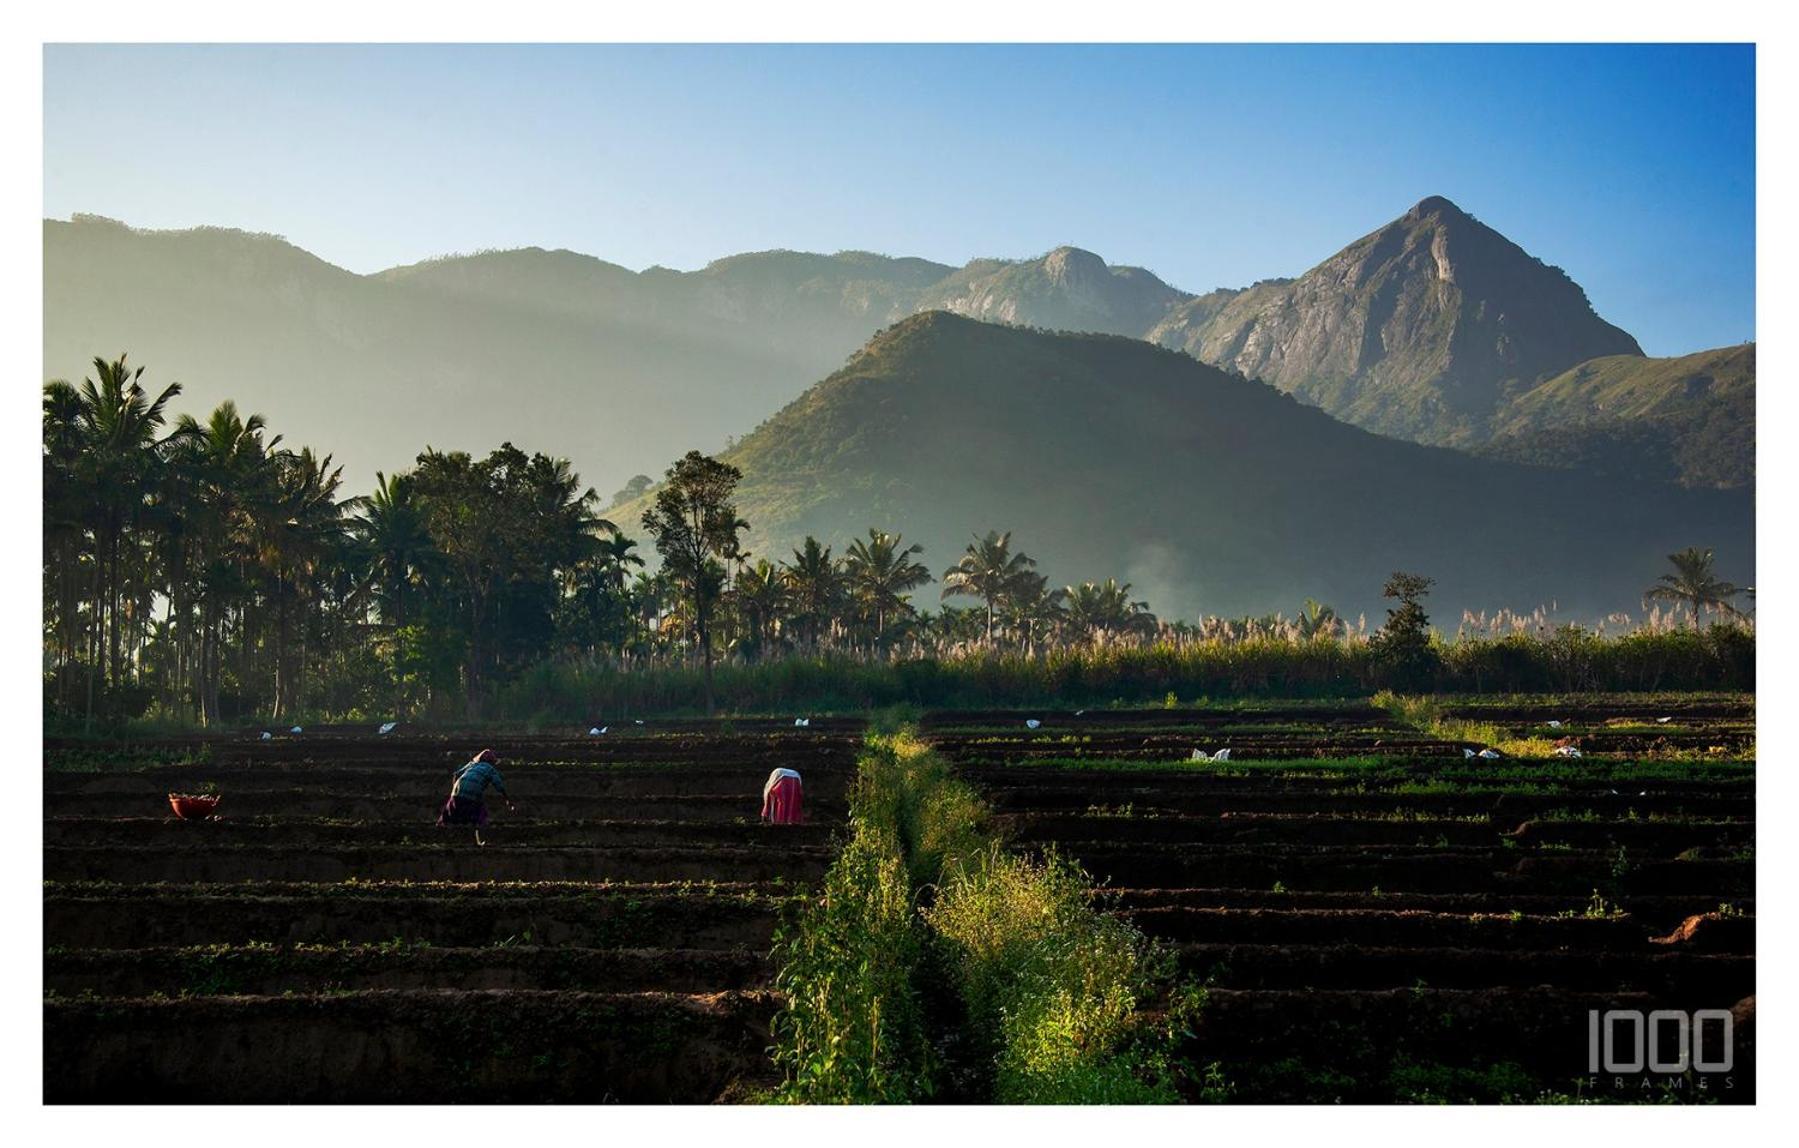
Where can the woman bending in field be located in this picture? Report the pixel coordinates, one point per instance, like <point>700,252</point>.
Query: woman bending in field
<point>781,798</point>
<point>468,793</point>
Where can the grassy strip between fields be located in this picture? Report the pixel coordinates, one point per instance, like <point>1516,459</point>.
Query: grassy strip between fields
<point>936,964</point>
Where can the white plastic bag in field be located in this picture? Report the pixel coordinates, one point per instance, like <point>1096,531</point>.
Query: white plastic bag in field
<point>266,735</point>
<point>1567,751</point>
<point>803,722</point>
<point>1466,752</point>
<point>296,729</point>
<point>1222,755</point>
<point>1554,724</point>
<point>1031,723</point>
<point>388,726</point>
<point>1490,754</point>
<point>597,730</point>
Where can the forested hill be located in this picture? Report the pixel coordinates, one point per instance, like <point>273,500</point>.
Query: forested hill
<point>1210,493</point>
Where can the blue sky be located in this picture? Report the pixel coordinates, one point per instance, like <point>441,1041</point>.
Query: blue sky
<point>1632,167</point>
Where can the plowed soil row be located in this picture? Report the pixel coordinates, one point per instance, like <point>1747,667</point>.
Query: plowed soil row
<point>261,971</point>
<point>394,1047</point>
<point>1666,838</point>
<point>1651,914</point>
<point>1681,975</point>
<point>102,832</point>
<point>473,916</point>
<point>1424,929</point>
<point>1178,748</point>
<point>312,803</point>
<point>458,862</point>
<point>1424,869</point>
<point>1197,801</point>
<point>427,783</point>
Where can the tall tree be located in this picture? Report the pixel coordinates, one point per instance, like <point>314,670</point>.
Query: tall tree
<point>115,423</point>
<point>881,573</point>
<point>509,526</point>
<point>301,530</point>
<point>228,465</point>
<point>988,570</point>
<point>815,589</point>
<point>694,522</point>
<point>1033,610</point>
<point>1694,585</point>
<point>760,595</point>
<point>1402,646</point>
<point>1103,610</point>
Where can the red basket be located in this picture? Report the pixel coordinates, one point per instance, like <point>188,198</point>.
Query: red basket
<point>192,806</point>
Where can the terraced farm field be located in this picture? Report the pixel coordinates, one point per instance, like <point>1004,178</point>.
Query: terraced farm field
<point>1377,915</point>
<point>1380,917</point>
<point>324,941</point>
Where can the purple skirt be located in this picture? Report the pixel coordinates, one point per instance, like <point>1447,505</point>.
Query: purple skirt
<point>463,811</point>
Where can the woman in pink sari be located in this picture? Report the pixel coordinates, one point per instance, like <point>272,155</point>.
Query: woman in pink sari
<point>781,798</point>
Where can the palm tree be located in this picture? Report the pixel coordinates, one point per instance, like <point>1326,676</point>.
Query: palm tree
<point>1103,609</point>
<point>815,586</point>
<point>110,428</point>
<point>67,509</point>
<point>880,573</point>
<point>1032,608</point>
<point>1316,620</point>
<point>760,596</point>
<point>988,570</point>
<point>616,558</point>
<point>1694,586</point>
<point>300,525</point>
<point>392,528</point>
<point>231,470</point>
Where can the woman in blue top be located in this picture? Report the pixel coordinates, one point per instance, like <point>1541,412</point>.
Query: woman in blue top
<point>468,793</point>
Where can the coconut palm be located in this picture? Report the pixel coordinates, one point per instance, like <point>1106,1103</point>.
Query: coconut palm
<point>1101,610</point>
<point>760,597</point>
<point>392,529</point>
<point>988,570</point>
<point>107,430</point>
<point>815,588</point>
<point>229,467</point>
<point>1032,609</point>
<point>1693,585</point>
<point>300,526</point>
<point>880,572</point>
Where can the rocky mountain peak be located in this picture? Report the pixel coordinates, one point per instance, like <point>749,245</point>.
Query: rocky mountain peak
<point>1072,264</point>
<point>1435,205</point>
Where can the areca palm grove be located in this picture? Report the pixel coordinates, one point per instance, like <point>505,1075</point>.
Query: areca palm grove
<point>203,570</point>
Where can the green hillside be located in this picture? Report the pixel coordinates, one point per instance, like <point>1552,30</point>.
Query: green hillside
<point>1210,493</point>
<point>1689,419</point>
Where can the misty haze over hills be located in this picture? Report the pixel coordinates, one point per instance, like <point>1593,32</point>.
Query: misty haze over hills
<point>1433,328</point>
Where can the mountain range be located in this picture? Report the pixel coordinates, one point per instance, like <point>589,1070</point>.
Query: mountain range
<point>1434,328</point>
